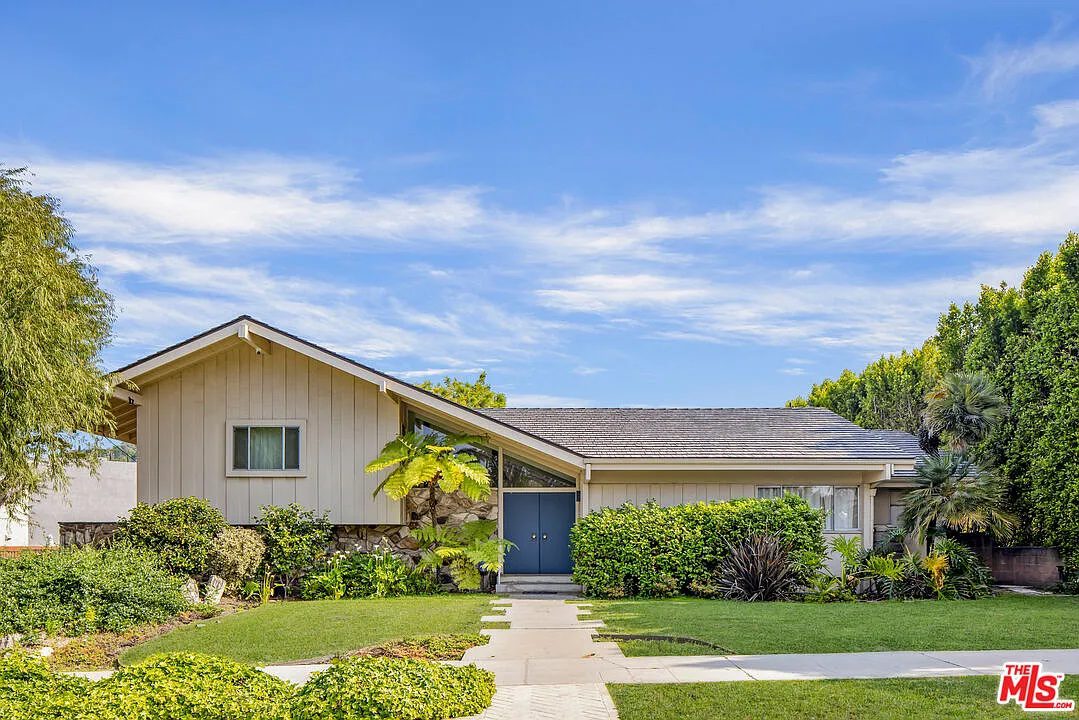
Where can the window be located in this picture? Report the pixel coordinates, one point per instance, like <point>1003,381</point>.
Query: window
<point>841,503</point>
<point>258,448</point>
<point>519,474</point>
<point>488,457</point>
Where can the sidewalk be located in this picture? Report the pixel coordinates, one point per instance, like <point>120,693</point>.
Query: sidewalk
<point>547,664</point>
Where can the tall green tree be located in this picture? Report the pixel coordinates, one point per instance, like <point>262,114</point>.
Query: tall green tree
<point>478,394</point>
<point>54,322</point>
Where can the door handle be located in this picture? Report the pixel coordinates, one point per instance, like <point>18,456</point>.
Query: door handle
<point>544,536</point>
<point>533,537</point>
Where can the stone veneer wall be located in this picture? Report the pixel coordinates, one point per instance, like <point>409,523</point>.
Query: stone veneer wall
<point>454,510</point>
<point>85,533</point>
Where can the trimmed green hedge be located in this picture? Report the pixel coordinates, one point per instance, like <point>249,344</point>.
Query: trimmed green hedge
<point>86,590</point>
<point>377,688</point>
<point>180,530</point>
<point>188,686</point>
<point>654,551</point>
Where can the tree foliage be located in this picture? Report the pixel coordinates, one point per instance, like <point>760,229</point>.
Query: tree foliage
<point>433,460</point>
<point>54,321</point>
<point>478,394</point>
<point>1025,340</point>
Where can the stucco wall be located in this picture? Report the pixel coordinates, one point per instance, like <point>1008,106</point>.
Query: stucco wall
<point>88,499</point>
<point>183,421</point>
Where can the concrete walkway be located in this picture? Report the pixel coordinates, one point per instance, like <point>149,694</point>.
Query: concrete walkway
<point>548,665</point>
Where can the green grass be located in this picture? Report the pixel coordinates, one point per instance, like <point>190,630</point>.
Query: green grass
<point>894,699</point>
<point>284,631</point>
<point>1005,622</point>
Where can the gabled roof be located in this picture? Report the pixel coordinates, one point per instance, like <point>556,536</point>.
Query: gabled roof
<point>909,444</point>
<point>571,435</point>
<point>245,326</point>
<point>736,433</point>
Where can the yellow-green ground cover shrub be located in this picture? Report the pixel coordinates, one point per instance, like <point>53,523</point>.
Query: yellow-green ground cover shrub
<point>382,688</point>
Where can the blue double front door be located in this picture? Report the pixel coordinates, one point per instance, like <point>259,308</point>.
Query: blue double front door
<point>538,524</point>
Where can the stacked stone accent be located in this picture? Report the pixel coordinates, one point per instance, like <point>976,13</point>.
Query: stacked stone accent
<point>85,533</point>
<point>452,510</point>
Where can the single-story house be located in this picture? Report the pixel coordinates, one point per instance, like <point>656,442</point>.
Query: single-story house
<point>247,415</point>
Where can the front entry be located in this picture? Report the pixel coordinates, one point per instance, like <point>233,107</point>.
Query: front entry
<point>538,524</point>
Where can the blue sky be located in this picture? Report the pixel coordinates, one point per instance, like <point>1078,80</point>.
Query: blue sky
<point>678,204</point>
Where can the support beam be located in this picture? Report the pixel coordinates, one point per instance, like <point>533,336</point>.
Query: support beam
<point>128,396</point>
<point>261,344</point>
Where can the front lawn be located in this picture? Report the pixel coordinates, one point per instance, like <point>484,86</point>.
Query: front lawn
<point>894,699</point>
<point>285,631</point>
<point>1005,622</point>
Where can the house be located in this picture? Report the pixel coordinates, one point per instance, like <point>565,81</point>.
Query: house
<point>247,415</point>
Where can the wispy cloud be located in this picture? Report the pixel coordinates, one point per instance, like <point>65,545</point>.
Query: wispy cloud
<point>794,371</point>
<point>1002,66</point>
<point>428,373</point>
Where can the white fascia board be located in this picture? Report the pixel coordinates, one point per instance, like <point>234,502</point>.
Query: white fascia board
<point>417,397</point>
<point>178,353</point>
<point>734,464</point>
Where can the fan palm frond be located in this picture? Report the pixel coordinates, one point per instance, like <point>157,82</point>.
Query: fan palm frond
<point>963,409</point>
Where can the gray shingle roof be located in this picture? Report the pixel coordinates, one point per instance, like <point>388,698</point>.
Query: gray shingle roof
<point>906,442</point>
<point>737,433</point>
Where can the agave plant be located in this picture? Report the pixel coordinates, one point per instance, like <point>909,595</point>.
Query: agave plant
<point>464,550</point>
<point>953,495</point>
<point>759,568</point>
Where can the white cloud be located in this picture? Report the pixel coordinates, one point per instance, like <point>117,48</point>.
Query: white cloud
<point>586,371</point>
<point>599,293</point>
<point>795,371</point>
<point>1002,67</point>
<point>429,373</point>
<point>1057,115</point>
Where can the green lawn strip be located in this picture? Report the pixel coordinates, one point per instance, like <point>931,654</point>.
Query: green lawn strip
<point>899,699</point>
<point>288,631</point>
<point>1006,622</point>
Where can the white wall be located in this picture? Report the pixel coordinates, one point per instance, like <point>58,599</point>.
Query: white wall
<point>103,498</point>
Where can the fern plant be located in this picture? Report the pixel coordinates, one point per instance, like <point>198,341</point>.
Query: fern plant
<point>434,460</point>
<point>464,550</point>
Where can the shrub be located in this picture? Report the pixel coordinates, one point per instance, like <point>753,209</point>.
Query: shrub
<point>355,574</point>
<point>295,539</point>
<point>757,569</point>
<point>187,686</point>
<point>236,555</point>
<point>85,590</point>
<point>377,688</point>
<point>654,551</point>
<point>181,531</point>
<point>29,689</point>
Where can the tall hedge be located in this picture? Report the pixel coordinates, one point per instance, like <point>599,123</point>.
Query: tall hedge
<point>654,551</point>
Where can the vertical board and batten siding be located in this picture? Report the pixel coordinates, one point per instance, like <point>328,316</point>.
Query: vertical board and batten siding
<point>183,421</point>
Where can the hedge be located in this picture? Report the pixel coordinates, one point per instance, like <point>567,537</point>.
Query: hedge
<point>180,530</point>
<point>188,686</point>
<point>377,688</point>
<point>653,551</point>
<point>75,591</point>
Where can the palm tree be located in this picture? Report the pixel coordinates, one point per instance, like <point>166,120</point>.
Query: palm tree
<point>953,495</point>
<point>434,460</point>
<point>962,410</point>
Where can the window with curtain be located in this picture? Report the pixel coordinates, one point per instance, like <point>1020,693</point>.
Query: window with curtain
<point>839,502</point>
<point>266,447</point>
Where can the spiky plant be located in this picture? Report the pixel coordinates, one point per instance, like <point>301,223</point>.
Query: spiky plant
<point>434,460</point>
<point>758,568</point>
<point>953,495</point>
<point>884,572</point>
<point>963,409</point>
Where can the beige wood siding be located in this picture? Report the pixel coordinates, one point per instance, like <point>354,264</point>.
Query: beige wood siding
<point>183,424</point>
